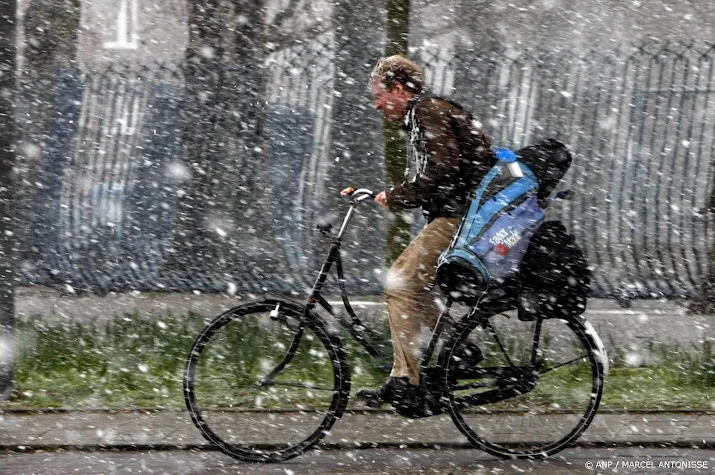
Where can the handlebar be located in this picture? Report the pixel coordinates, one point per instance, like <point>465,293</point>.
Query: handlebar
<point>357,195</point>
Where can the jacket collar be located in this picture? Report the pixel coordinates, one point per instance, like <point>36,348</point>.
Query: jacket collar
<point>409,109</point>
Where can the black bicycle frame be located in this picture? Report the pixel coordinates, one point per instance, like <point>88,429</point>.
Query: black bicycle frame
<point>354,325</point>
<point>363,334</point>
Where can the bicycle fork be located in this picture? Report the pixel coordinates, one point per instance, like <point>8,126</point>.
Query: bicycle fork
<point>292,350</point>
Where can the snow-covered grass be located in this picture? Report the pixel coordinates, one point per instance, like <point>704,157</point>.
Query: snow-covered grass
<point>128,362</point>
<point>677,377</point>
<point>138,362</point>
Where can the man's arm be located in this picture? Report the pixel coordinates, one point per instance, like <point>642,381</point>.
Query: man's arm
<point>439,163</point>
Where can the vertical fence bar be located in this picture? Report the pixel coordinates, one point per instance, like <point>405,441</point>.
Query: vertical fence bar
<point>706,178</point>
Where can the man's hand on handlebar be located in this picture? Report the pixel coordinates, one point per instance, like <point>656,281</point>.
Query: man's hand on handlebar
<point>381,199</point>
<point>363,193</point>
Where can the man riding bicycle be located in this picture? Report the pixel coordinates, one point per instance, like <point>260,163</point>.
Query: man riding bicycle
<point>452,155</point>
<point>561,353</point>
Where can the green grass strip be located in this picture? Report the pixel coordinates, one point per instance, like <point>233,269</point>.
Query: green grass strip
<point>138,362</point>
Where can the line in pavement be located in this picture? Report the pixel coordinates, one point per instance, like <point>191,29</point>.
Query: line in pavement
<point>645,443</point>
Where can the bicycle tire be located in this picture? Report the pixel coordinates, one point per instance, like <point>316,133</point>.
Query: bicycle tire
<point>480,424</point>
<point>220,415</point>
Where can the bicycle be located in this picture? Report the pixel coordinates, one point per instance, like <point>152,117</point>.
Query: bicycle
<point>514,392</point>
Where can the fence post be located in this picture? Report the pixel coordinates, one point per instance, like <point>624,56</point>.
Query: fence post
<point>8,10</point>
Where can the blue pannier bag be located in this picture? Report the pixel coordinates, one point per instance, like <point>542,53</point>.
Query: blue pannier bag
<point>495,231</point>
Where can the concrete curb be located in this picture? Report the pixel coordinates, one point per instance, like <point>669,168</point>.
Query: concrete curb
<point>680,444</point>
<point>136,430</point>
<point>366,410</point>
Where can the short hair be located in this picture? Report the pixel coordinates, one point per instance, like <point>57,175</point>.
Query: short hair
<point>397,68</point>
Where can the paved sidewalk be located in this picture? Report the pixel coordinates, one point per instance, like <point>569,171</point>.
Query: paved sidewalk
<point>632,329</point>
<point>173,429</point>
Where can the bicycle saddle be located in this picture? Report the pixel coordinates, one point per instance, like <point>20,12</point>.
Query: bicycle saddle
<point>324,227</point>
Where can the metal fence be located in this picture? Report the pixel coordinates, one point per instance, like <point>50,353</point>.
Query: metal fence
<point>641,126</point>
<point>94,208</point>
<point>114,171</point>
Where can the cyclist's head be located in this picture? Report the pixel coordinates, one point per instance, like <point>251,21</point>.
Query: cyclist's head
<point>398,69</point>
<point>394,81</point>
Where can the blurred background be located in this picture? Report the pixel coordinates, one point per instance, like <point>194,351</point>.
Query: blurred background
<point>166,146</point>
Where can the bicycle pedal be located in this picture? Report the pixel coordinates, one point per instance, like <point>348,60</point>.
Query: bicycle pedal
<point>369,399</point>
<point>373,403</point>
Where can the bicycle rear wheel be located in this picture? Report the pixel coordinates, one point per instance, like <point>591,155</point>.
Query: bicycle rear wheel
<point>264,383</point>
<point>536,389</point>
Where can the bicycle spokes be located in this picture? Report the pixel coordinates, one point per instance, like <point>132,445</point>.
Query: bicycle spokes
<point>535,390</point>
<point>260,366</point>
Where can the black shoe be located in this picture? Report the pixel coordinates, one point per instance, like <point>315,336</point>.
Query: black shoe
<point>394,390</point>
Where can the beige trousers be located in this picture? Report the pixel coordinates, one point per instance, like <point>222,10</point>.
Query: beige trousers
<point>410,298</point>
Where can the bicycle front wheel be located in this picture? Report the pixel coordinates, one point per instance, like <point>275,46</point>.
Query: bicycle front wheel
<point>264,382</point>
<point>531,389</point>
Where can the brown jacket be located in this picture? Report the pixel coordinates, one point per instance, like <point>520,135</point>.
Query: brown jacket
<point>451,154</point>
